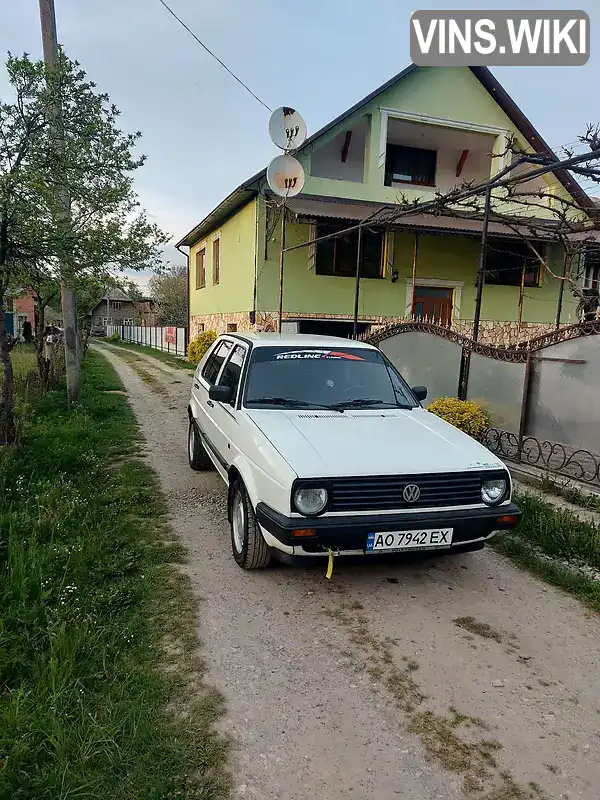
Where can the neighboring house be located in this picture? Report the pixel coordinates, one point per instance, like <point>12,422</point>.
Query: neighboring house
<point>21,309</point>
<point>425,131</point>
<point>116,308</point>
<point>145,312</point>
<point>24,311</point>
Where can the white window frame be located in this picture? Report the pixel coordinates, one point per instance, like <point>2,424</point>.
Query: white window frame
<point>435,282</point>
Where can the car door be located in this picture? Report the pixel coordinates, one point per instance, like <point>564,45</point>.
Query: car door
<point>206,376</point>
<point>225,415</point>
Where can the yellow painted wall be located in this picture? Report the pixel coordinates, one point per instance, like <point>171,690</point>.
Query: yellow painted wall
<point>235,290</point>
<point>452,258</point>
<point>452,93</point>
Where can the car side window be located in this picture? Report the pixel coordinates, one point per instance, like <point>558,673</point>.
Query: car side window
<point>232,371</point>
<point>213,365</point>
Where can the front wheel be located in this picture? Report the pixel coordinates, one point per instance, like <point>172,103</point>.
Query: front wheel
<point>247,543</point>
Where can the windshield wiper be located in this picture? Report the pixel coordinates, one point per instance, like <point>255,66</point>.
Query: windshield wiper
<point>365,402</point>
<point>290,402</point>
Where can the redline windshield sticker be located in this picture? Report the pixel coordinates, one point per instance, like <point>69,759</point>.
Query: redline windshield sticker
<point>313,354</point>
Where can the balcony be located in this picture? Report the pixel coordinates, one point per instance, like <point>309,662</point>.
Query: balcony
<point>418,155</point>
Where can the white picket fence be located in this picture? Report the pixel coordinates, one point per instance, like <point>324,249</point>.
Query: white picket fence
<point>170,339</point>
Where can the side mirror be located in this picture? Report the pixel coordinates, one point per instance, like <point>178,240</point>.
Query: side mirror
<point>222,394</point>
<point>420,392</point>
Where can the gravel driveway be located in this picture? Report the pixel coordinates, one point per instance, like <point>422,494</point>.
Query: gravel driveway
<point>423,678</point>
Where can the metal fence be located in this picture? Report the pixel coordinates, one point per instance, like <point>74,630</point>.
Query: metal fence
<point>169,339</point>
<point>542,398</point>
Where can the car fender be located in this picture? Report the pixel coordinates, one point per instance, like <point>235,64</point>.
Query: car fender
<point>261,486</point>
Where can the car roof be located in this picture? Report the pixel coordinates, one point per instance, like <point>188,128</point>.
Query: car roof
<point>296,340</point>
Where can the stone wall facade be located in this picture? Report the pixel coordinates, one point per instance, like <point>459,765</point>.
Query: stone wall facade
<point>496,333</point>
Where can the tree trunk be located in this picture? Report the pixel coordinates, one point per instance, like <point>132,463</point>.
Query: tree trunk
<point>71,341</point>
<point>42,364</point>
<point>7,417</point>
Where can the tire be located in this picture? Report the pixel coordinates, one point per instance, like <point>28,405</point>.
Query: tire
<point>197,455</point>
<point>247,543</point>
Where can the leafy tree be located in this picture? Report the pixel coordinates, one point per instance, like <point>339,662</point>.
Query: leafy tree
<point>169,291</point>
<point>81,154</point>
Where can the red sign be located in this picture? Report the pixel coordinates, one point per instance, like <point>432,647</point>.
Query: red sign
<point>171,335</point>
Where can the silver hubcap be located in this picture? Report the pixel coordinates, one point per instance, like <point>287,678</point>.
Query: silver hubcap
<point>191,442</point>
<point>238,518</point>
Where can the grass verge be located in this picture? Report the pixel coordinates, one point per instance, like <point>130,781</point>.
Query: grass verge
<point>557,546</point>
<point>101,684</point>
<point>173,361</point>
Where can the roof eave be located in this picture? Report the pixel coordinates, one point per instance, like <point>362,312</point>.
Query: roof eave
<point>233,202</point>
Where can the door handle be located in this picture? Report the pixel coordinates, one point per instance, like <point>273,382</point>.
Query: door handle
<point>210,403</point>
<point>196,385</point>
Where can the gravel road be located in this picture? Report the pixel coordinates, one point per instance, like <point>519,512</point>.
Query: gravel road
<point>438,678</point>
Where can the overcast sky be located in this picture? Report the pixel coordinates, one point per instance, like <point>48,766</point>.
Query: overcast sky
<point>203,134</point>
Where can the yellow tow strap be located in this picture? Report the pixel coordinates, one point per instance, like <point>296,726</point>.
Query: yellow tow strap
<point>329,572</point>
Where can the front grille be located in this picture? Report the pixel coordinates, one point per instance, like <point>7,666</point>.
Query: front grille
<point>385,492</point>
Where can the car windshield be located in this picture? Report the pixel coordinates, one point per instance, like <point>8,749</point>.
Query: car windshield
<point>312,377</point>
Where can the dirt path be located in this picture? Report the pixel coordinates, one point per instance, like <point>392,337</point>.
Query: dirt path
<point>447,678</point>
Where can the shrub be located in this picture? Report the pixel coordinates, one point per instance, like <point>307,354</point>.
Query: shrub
<point>114,337</point>
<point>198,346</point>
<point>463,414</point>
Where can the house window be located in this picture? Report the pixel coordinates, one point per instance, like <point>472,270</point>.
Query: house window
<point>409,165</point>
<point>216,260</point>
<point>201,269</point>
<point>591,277</point>
<point>128,321</point>
<point>231,327</point>
<point>116,305</point>
<point>505,260</point>
<point>338,256</point>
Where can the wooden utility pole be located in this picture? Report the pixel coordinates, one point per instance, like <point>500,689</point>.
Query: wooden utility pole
<point>67,289</point>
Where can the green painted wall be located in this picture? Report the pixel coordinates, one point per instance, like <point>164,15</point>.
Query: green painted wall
<point>444,257</point>
<point>235,290</point>
<point>444,92</point>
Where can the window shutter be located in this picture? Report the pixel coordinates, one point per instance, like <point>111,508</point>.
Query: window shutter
<point>312,249</point>
<point>388,253</point>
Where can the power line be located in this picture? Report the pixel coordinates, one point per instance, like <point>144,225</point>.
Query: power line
<point>210,52</point>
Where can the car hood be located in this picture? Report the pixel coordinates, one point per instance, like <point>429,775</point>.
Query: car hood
<point>329,444</point>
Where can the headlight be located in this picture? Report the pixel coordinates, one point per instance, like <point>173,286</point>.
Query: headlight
<point>310,501</point>
<point>492,492</point>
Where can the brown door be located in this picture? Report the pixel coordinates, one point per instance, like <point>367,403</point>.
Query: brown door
<point>431,304</point>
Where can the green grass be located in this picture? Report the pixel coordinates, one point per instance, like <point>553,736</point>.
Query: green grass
<point>101,687</point>
<point>23,360</point>
<point>160,355</point>
<point>546,538</point>
<point>571,494</point>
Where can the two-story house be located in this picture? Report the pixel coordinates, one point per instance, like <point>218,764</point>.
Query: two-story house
<point>117,308</point>
<point>427,130</point>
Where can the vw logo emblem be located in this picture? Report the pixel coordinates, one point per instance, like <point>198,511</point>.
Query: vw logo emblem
<point>411,493</point>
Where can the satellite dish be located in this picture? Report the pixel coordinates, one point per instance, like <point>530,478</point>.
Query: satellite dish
<point>287,129</point>
<point>285,176</point>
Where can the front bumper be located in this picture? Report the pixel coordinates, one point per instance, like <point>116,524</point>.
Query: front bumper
<point>349,532</point>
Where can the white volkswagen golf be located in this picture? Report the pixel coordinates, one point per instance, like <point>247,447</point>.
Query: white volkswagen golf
<point>325,449</point>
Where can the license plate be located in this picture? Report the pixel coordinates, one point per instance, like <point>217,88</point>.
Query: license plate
<point>409,540</point>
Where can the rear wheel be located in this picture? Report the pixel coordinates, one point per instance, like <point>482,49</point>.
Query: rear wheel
<point>197,455</point>
<point>247,543</point>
